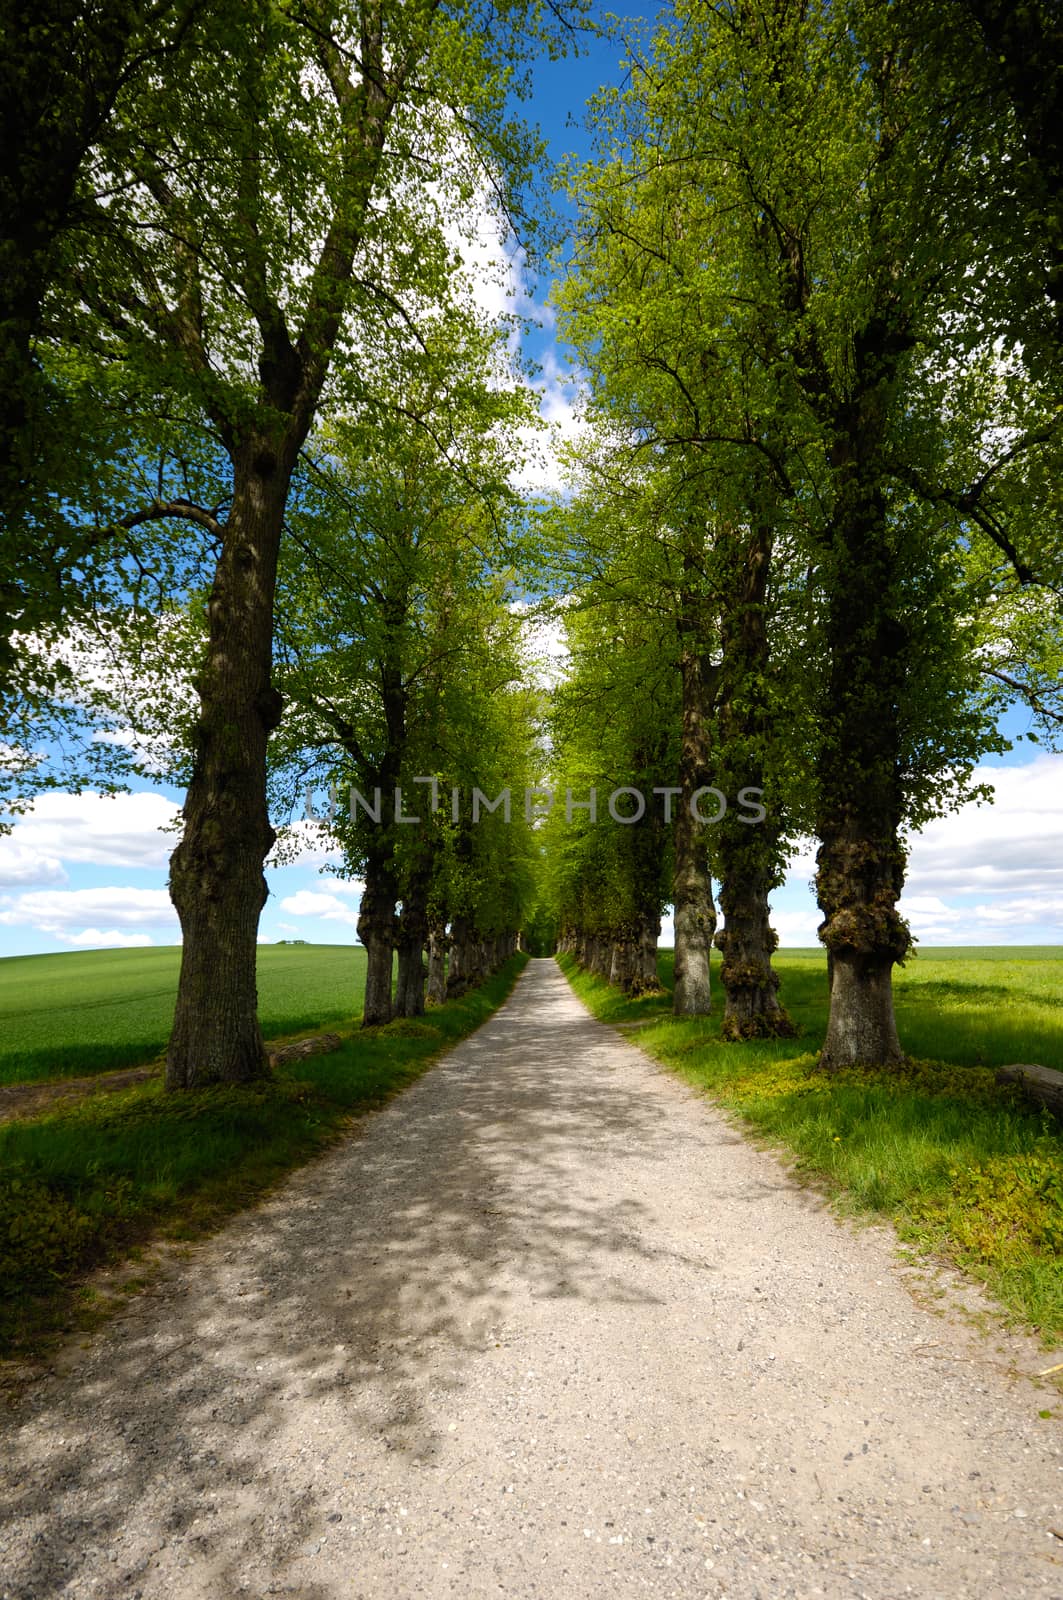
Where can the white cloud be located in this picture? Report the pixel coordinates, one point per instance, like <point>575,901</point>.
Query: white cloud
<point>118,831</point>
<point>1012,847</point>
<point>21,864</point>
<point>495,267</point>
<point>113,939</point>
<point>989,874</point>
<point>560,390</point>
<point>797,928</point>
<point>329,907</point>
<point>349,886</point>
<point>73,914</point>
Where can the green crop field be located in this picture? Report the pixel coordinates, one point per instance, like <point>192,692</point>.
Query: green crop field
<point>89,1011</point>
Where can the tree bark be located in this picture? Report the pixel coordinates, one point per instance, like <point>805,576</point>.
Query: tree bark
<point>747,852</point>
<point>695,914</point>
<point>619,964</point>
<point>460,964</point>
<point>860,804</point>
<point>751,1008</point>
<point>412,974</point>
<point>378,1006</point>
<point>646,980</point>
<point>376,929</point>
<point>437,962</point>
<point>648,841</point>
<point>216,877</point>
<point>412,936</point>
<point>863,1028</point>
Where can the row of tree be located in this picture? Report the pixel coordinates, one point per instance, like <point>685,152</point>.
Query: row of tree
<point>257,447</point>
<point>818,528</point>
<point>256,443</point>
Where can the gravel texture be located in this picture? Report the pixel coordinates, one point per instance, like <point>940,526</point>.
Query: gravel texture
<point>546,1326</point>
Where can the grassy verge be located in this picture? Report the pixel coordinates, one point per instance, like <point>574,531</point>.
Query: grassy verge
<point>92,1181</point>
<point>961,1165</point>
<point>86,1011</point>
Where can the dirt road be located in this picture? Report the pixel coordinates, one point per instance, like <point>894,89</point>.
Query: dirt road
<point>546,1327</point>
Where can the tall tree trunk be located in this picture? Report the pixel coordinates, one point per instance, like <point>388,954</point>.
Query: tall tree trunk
<point>859,802</point>
<point>412,973</point>
<point>216,878</point>
<point>695,914</point>
<point>413,935</point>
<point>648,842</point>
<point>746,941</point>
<point>460,964</point>
<point>748,854</point>
<point>646,980</point>
<point>376,929</point>
<point>437,962</point>
<point>619,965</point>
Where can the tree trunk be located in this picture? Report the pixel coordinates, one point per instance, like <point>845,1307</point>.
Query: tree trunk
<point>376,929</point>
<point>751,1008</point>
<point>859,801</point>
<point>648,843</point>
<point>412,937</point>
<point>859,881</point>
<point>379,951</point>
<point>695,914</point>
<point>437,963</point>
<point>216,878</point>
<point>458,980</point>
<point>862,1029</point>
<point>748,855</point>
<point>645,980</point>
<point>410,985</point>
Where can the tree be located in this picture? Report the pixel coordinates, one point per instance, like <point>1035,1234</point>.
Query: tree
<point>60,76</point>
<point>227,240</point>
<point>1021,60</point>
<point>682,416</point>
<point>612,736</point>
<point>395,636</point>
<point>779,257</point>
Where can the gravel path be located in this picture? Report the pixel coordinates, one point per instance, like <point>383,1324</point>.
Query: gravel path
<point>547,1326</point>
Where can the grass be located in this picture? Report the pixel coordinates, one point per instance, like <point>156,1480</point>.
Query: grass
<point>87,1182</point>
<point>81,1012</point>
<point>960,1164</point>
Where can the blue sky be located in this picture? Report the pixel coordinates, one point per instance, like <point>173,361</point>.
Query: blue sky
<point>82,872</point>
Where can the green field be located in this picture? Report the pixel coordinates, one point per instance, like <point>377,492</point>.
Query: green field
<point>976,1006</point>
<point>89,1011</point>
